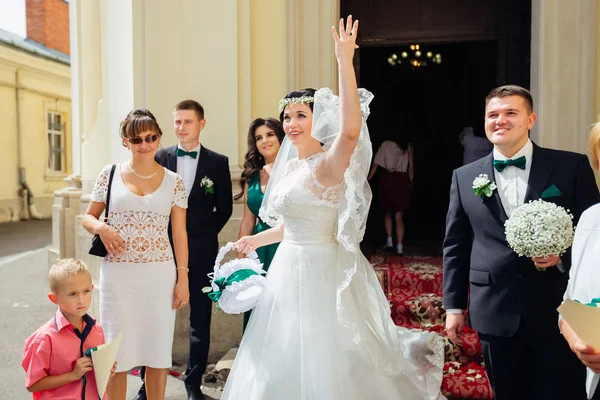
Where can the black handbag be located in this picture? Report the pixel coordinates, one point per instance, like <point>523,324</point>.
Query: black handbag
<point>98,248</point>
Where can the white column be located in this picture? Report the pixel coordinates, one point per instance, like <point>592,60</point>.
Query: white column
<point>109,83</point>
<point>194,55</point>
<point>103,76</point>
<point>311,56</point>
<point>563,52</point>
<point>75,86</point>
<point>86,91</point>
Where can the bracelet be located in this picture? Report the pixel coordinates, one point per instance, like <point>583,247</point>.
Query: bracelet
<point>184,268</point>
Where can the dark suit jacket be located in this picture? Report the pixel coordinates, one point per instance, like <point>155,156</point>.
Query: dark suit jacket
<point>503,286</point>
<point>206,213</point>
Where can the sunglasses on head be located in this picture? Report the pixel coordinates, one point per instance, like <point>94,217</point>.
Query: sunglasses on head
<point>139,140</point>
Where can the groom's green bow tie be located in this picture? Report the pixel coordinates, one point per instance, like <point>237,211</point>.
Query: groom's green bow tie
<point>518,162</point>
<point>182,152</point>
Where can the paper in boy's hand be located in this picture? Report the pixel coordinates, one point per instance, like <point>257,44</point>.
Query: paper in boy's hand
<point>584,320</point>
<point>103,358</point>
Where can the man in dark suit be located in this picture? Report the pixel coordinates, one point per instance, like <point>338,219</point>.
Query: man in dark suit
<point>511,304</point>
<point>207,180</point>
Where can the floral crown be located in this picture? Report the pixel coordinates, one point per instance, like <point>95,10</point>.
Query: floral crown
<point>283,103</point>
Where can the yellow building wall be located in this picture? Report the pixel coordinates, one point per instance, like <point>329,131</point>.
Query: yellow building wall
<point>269,26</point>
<point>262,68</point>
<point>40,85</point>
<point>8,144</point>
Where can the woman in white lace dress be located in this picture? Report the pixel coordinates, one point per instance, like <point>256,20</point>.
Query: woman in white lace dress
<point>322,329</point>
<point>140,287</point>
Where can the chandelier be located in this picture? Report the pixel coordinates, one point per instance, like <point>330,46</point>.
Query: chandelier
<point>415,57</point>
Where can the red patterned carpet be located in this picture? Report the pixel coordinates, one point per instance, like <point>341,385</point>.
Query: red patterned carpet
<point>413,286</point>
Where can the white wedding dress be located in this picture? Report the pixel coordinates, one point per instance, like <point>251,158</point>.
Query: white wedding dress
<point>295,348</point>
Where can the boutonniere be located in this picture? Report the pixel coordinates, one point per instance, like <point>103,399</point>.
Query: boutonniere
<point>208,185</point>
<point>482,186</point>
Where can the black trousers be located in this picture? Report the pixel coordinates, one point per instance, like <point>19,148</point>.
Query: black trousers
<point>200,314</point>
<point>528,367</point>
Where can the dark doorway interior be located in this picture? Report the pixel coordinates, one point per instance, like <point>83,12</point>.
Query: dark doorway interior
<point>483,44</point>
<point>430,106</point>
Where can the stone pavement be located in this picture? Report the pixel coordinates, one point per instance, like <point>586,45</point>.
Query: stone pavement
<point>24,306</point>
<point>17,237</point>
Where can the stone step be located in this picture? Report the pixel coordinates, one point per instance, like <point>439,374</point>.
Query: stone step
<point>226,362</point>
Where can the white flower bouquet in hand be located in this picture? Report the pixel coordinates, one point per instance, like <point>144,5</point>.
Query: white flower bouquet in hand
<point>539,229</point>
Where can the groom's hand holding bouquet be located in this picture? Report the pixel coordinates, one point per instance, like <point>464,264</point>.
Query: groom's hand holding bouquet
<point>540,230</point>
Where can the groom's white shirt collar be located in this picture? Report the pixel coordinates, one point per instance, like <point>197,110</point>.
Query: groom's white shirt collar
<point>197,148</point>
<point>526,150</point>
<point>186,168</point>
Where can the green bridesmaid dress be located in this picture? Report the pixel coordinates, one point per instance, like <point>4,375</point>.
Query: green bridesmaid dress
<point>265,253</point>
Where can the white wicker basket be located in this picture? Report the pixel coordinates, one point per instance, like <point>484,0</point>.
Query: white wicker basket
<point>238,284</point>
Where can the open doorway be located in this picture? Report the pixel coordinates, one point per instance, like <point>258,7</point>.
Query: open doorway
<point>429,104</point>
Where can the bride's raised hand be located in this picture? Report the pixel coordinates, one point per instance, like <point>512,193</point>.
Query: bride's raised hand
<point>345,40</point>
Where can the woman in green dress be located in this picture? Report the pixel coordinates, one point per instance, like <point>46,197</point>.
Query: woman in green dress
<point>264,138</point>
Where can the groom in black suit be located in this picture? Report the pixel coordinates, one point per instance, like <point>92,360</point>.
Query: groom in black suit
<point>207,180</point>
<point>511,304</point>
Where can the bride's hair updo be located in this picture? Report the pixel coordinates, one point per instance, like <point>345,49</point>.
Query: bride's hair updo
<point>307,92</point>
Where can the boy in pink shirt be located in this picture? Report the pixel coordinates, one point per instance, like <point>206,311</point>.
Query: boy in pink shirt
<point>54,356</point>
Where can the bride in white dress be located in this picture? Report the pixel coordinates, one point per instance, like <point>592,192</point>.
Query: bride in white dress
<point>322,329</point>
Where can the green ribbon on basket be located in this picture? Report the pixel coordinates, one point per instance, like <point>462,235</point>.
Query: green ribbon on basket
<point>594,303</point>
<point>222,283</point>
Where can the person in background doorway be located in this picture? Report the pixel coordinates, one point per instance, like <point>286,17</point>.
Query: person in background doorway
<point>395,157</point>
<point>475,147</point>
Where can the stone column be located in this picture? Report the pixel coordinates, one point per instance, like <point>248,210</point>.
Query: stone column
<point>64,211</point>
<point>82,246</point>
<point>563,54</point>
<point>311,56</point>
<point>101,39</point>
<point>86,91</point>
<point>269,57</point>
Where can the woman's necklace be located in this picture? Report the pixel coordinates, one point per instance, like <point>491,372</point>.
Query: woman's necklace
<point>142,176</point>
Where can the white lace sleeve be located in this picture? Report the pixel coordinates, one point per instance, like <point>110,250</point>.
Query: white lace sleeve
<point>101,185</point>
<point>179,194</point>
<point>330,194</point>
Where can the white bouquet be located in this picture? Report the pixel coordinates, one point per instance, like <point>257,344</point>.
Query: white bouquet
<point>539,229</point>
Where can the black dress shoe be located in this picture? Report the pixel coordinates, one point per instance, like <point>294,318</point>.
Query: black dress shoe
<point>141,394</point>
<point>195,394</point>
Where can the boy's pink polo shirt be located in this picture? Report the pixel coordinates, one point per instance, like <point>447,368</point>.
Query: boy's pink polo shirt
<point>53,350</point>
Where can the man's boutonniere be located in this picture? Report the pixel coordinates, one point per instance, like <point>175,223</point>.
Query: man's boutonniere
<point>208,185</point>
<point>482,186</point>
